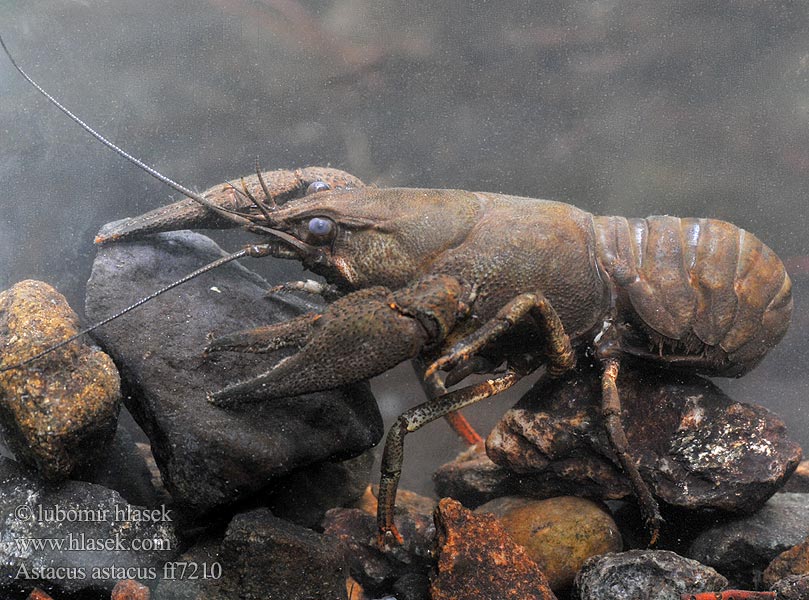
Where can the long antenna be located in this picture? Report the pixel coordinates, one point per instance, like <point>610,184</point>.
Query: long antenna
<point>121,152</point>
<point>210,266</point>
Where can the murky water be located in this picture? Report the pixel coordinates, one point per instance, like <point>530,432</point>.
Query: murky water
<point>631,108</point>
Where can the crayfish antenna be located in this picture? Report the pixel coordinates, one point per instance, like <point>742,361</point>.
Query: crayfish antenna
<point>209,267</point>
<point>230,215</point>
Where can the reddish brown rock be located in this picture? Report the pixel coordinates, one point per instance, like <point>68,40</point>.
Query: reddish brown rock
<point>61,411</point>
<point>695,447</point>
<point>478,560</point>
<point>794,561</point>
<point>129,589</point>
<point>38,594</point>
<point>559,534</point>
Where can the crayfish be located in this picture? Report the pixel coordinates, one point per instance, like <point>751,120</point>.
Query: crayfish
<point>472,282</point>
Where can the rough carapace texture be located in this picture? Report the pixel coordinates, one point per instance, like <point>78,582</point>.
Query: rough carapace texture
<point>59,412</point>
<point>211,456</point>
<point>694,445</point>
<point>282,185</point>
<point>478,560</point>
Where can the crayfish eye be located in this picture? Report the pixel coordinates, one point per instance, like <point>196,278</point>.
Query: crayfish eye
<point>317,186</point>
<point>321,228</point>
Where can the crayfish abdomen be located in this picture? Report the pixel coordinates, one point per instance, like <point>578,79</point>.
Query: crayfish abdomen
<point>708,295</point>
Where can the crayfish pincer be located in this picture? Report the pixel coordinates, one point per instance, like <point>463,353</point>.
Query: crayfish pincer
<point>467,282</point>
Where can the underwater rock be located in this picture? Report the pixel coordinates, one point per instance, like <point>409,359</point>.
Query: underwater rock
<point>206,555</point>
<point>794,561</point>
<point>741,548</point>
<point>304,496</point>
<point>793,587</point>
<point>644,574</point>
<point>38,594</point>
<point>262,557</point>
<point>210,456</point>
<point>125,468</point>
<point>129,589</point>
<point>695,447</point>
<point>378,571</point>
<point>558,534</point>
<point>477,560</point>
<point>101,534</point>
<point>472,479</point>
<point>60,412</point>
<point>799,480</point>
<point>269,558</point>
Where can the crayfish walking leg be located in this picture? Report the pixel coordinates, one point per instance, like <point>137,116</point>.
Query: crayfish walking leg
<point>611,409</point>
<point>410,421</point>
<point>434,388</point>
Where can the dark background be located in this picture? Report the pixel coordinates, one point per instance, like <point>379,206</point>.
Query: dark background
<point>620,107</point>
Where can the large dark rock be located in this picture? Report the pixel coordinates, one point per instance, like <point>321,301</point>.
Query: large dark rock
<point>696,447</point>
<point>59,412</point>
<point>264,558</point>
<point>644,574</point>
<point>210,456</point>
<point>77,536</point>
<point>304,496</point>
<point>742,548</point>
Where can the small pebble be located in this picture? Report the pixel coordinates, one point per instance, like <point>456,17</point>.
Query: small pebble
<point>559,534</point>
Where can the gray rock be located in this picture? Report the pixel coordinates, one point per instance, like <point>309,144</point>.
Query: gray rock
<point>265,558</point>
<point>100,535</point>
<point>210,456</point>
<point>793,587</point>
<point>742,548</point>
<point>206,555</point>
<point>304,496</point>
<point>644,575</point>
<point>697,448</point>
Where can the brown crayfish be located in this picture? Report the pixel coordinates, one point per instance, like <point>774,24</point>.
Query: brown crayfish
<point>469,282</point>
